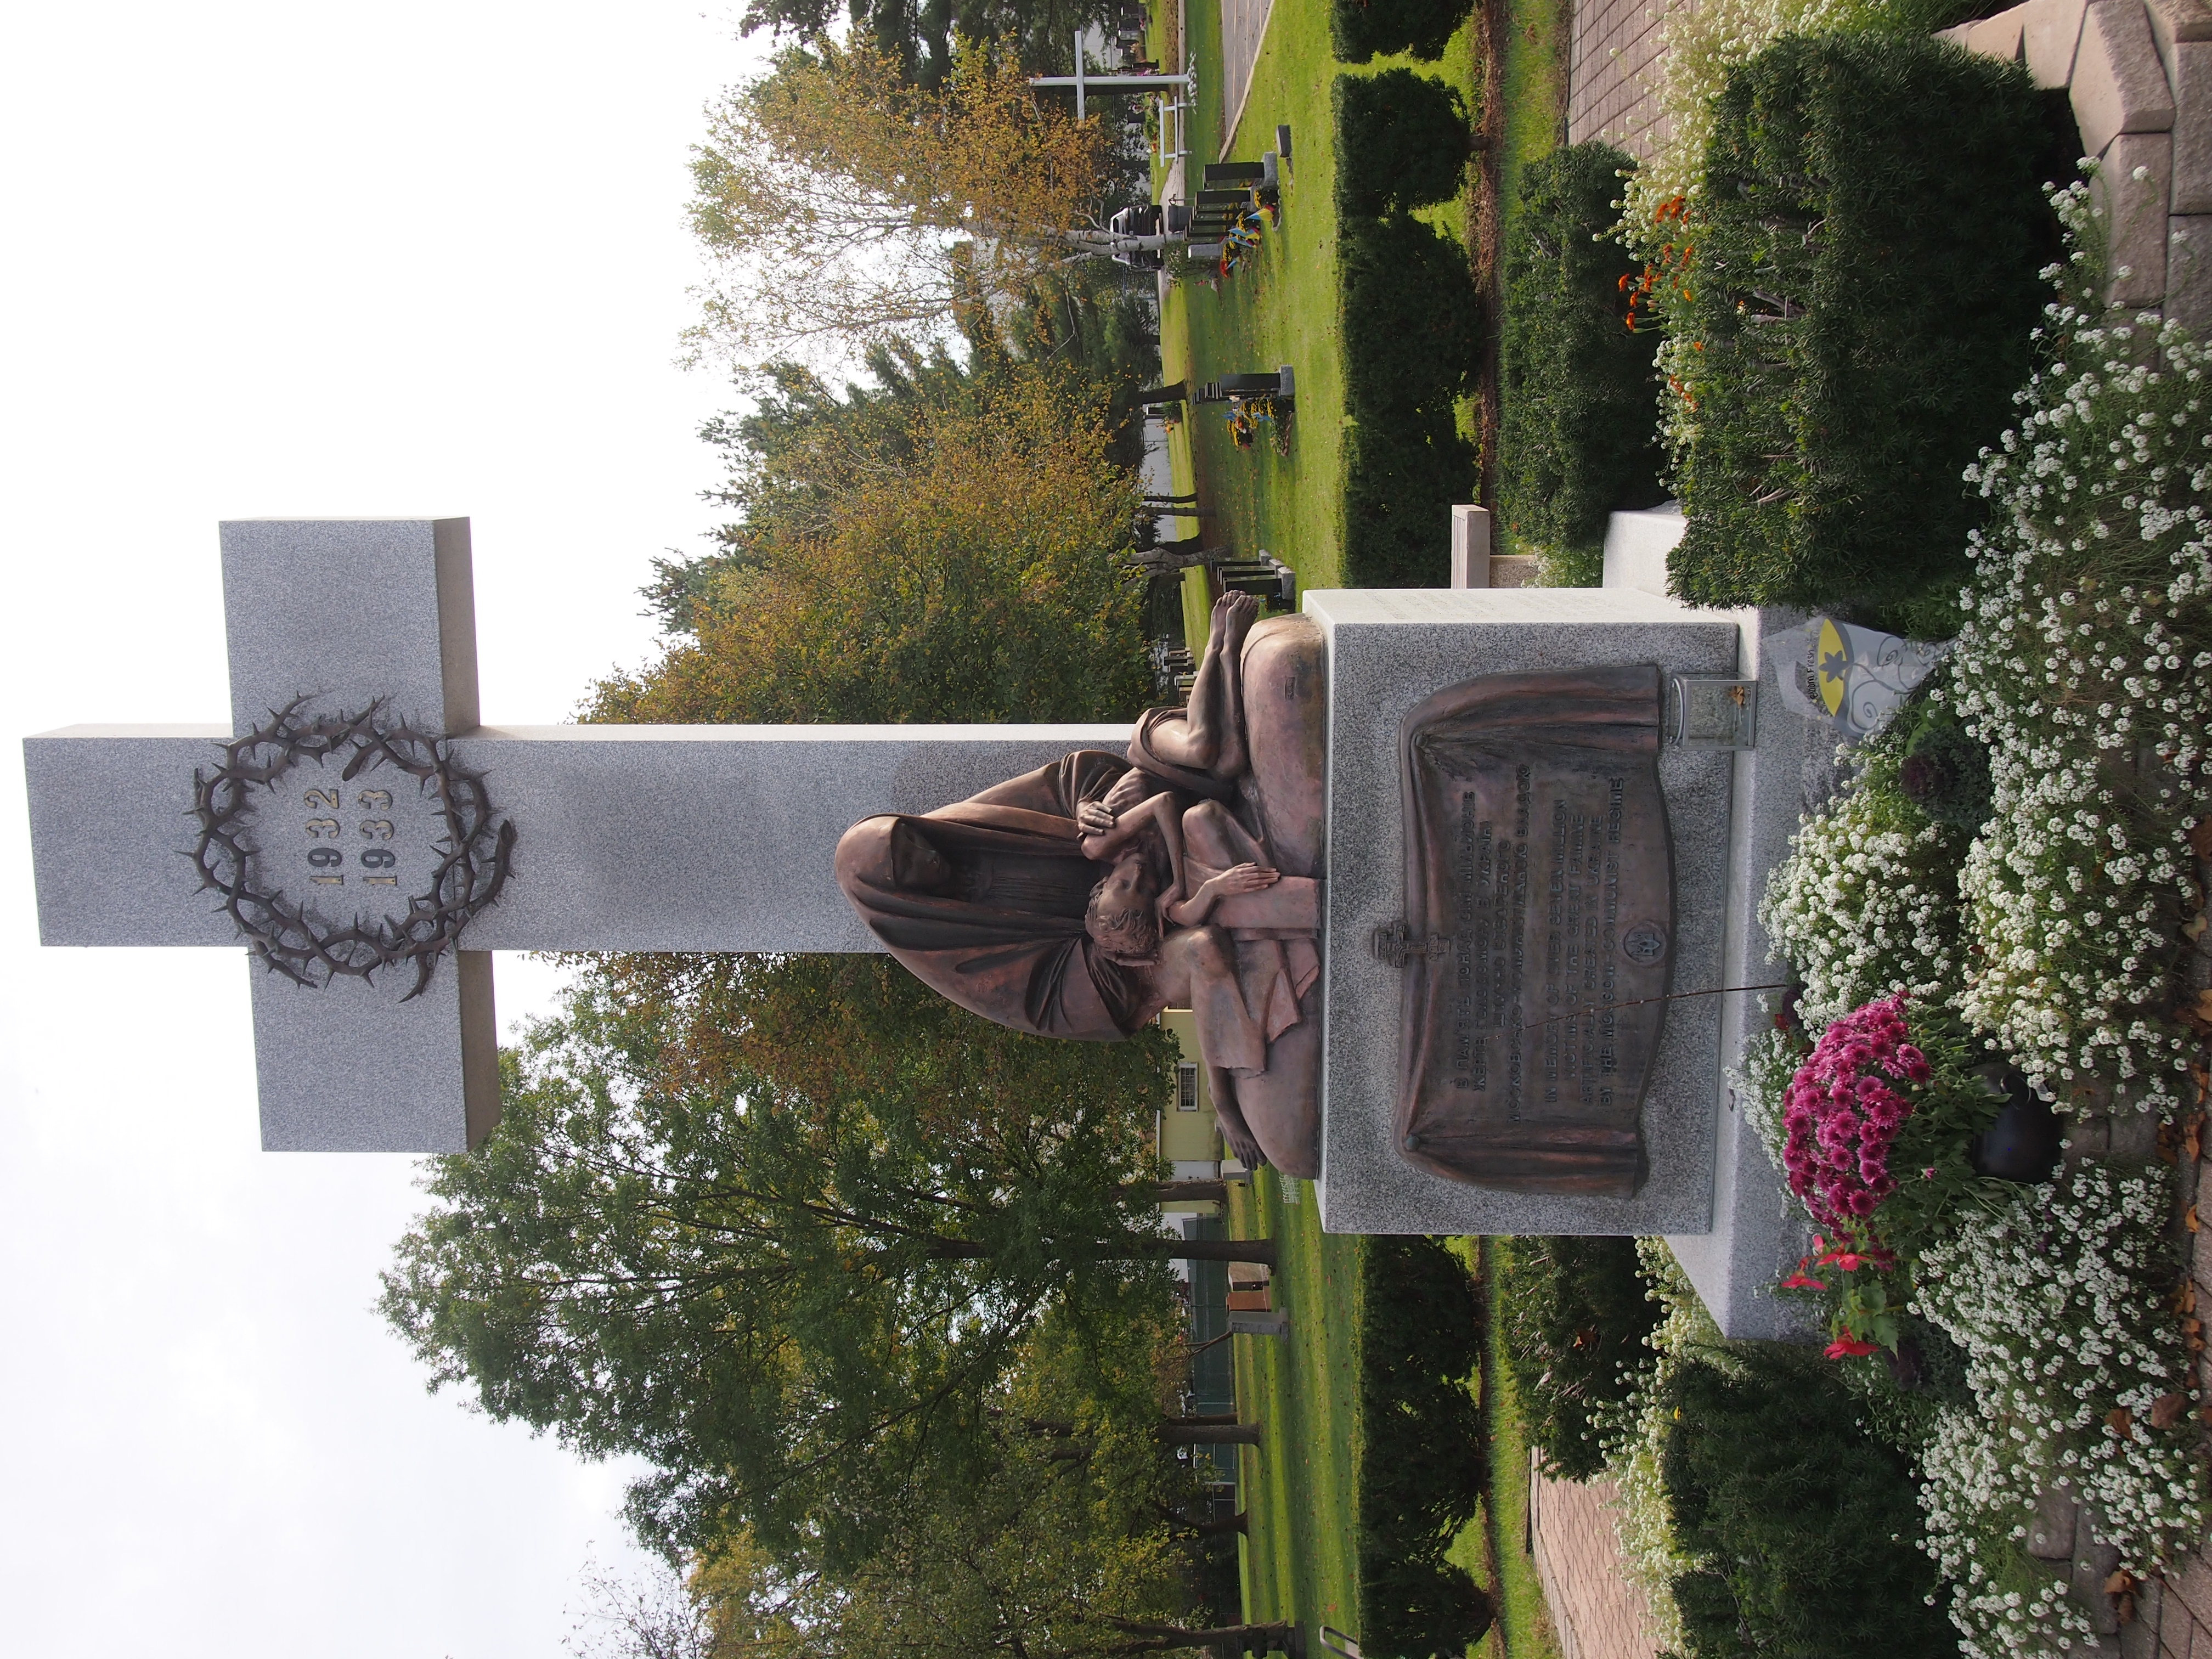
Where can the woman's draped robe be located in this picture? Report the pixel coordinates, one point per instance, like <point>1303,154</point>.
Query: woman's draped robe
<point>983,901</point>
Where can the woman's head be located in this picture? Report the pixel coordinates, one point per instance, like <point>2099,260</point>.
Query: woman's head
<point>1122,918</point>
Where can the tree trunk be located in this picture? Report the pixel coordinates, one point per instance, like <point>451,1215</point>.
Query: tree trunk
<point>1215,1528</point>
<point>1175,1192</point>
<point>1208,1429</point>
<point>1226,1640</point>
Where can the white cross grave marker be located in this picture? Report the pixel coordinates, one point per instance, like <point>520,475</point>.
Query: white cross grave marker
<point>361,636</point>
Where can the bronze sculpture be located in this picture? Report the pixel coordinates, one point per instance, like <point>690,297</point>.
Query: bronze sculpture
<point>1080,899</point>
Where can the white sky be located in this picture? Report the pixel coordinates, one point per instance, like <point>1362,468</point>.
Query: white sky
<point>288,259</point>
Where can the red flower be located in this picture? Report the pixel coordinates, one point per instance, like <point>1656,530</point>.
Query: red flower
<point>1800,1282</point>
<point>1844,1348</point>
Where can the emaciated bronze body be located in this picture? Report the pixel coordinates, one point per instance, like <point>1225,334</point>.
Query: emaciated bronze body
<point>1081,899</point>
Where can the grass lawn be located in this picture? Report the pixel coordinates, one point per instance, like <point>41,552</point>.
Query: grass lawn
<point>1299,1554</point>
<point>1283,306</point>
<point>1279,308</point>
<point>1495,1547</point>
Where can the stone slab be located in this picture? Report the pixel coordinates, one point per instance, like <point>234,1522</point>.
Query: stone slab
<point>1389,650</point>
<point>2119,85</point>
<point>1998,37</point>
<point>2134,213</point>
<point>2049,32</point>
<point>629,837</point>
<point>2189,272</point>
<point>110,837</point>
<point>1637,545</point>
<point>718,837</point>
<point>351,609</point>
<point>2172,22</point>
<point>2191,62</point>
<point>1470,546</point>
<point>350,1067</point>
<point>1757,1227</point>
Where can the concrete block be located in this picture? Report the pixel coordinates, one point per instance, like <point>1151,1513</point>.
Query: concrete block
<point>2000,36</point>
<point>2129,191</point>
<point>1387,650</point>
<point>1956,34</point>
<point>1758,1228</point>
<point>1637,545</point>
<point>1470,546</point>
<point>2051,1529</point>
<point>2050,30</point>
<point>2191,64</point>
<point>2119,85</point>
<point>2188,296</point>
<point>2175,21</point>
<point>2092,1565</point>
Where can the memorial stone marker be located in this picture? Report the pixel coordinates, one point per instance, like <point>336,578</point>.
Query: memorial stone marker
<point>616,838</point>
<point>1521,835</point>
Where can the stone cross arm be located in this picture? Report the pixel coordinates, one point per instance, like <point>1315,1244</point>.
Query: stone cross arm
<point>621,837</point>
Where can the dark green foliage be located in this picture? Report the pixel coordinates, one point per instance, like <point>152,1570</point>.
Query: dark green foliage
<point>1803,1523</point>
<point>1421,1461</point>
<point>1362,29</point>
<point>1579,432</point>
<point>1412,328</point>
<point>1946,771</point>
<point>1402,141</point>
<point>780,1227</point>
<point>1862,286</point>
<point>1576,1316</point>
<point>920,33</point>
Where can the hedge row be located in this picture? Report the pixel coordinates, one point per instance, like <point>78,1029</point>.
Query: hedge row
<point>1854,312</point>
<point>1413,326</point>
<point>1802,1523</point>
<point>1574,1317</point>
<point>1421,1460</point>
<point>1578,433</point>
<point>1362,29</point>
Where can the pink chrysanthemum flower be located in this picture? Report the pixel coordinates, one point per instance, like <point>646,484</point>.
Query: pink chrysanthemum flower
<point>1844,1110</point>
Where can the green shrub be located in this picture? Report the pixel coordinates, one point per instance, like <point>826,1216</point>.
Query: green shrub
<point>1411,346</point>
<point>1576,1316</point>
<point>1362,29</point>
<point>1946,771</point>
<point>1578,424</point>
<point>1421,1454</point>
<point>1402,141</point>
<point>1853,318</point>
<point>1804,1524</point>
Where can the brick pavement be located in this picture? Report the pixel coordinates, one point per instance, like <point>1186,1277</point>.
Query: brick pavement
<point>1599,1614</point>
<point>1613,62</point>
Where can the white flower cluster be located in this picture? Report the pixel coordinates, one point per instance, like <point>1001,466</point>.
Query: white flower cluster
<point>1867,902</point>
<point>2069,1348</point>
<point>2082,668</point>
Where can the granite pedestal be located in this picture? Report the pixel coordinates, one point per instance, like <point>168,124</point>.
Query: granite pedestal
<point>1389,650</point>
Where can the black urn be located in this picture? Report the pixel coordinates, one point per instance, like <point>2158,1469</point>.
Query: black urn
<point>2023,1143</point>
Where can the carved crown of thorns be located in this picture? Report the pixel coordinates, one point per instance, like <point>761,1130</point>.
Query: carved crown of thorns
<point>473,855</point>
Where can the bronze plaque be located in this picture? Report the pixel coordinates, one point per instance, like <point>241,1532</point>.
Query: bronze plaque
<point>1538,929</point>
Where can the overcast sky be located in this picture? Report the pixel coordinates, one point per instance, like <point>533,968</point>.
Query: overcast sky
<point>296,260</point>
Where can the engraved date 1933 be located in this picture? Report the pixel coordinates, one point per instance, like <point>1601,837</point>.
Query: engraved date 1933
<point>326,859</point>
